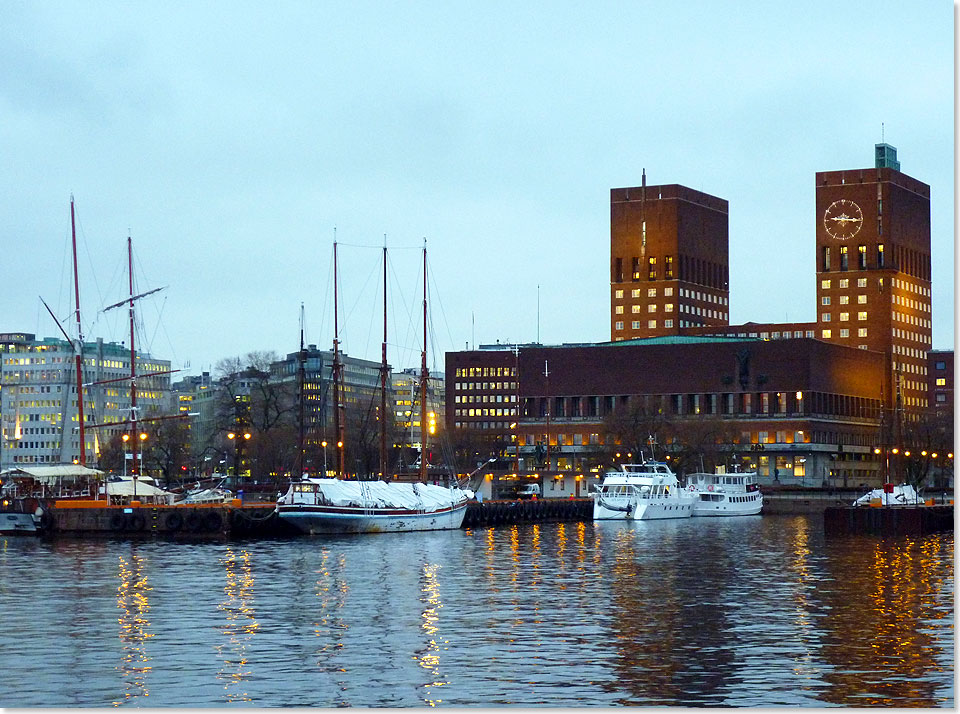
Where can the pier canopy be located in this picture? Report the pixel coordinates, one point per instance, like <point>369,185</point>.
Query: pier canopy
<point>52,474</point>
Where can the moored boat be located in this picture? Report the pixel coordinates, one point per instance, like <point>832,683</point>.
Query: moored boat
<point>326,505</point>
<point>734,494</point>
<point>647,491</point>
<point>345,505</point>
<point>900,495</point>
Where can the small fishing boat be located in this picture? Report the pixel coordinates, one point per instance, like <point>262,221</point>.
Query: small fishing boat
<point>736,494</point>
<point>643,492</point>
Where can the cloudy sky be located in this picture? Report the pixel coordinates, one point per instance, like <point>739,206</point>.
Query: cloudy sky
<point>233,140</point>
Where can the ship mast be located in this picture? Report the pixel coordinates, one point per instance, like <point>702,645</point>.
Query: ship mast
<point>78,350</point>
<point>133,367</point>
<point>301,379</point>
<point>423,376</point>
<point>337,374</point>
<point>383,373</point>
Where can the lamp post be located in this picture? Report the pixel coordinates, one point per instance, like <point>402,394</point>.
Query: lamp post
<point>324,445</point>
<point>239,440</point>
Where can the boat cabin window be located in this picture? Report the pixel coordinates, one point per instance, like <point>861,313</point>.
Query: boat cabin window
<point>305,487</point>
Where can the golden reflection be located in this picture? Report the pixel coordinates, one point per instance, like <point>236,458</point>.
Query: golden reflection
<point>804,584</point>
<point>332,593</point>
<point>429,657</point>
<point>893,618</point>
<point>134,604</point>
<point>240,626</point>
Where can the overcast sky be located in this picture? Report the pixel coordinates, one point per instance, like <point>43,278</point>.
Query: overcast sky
<point>232,139</point>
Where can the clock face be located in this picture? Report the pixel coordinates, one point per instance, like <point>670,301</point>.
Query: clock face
<point>843,219</point>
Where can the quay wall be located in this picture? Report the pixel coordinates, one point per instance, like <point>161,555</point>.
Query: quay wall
<point>202,520</point>
<point>888,520</point>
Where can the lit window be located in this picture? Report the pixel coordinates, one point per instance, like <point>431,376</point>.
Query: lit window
<point>861,299</point>
<point>844,299</point>
<point>825,284</point>
<point>668,307</point>
<point>826,334</point>
<point>861,282</point>
<point>941,382</point>
<point>862,332</point>
<point>618,294</point>
<point>651,292</point>
<point>635,293</point>
<point>652,324</point>
<point>861,315</point>
<point>844,316</point>
<point>634,309</point>
<point>651,307</point>
<point>668,292</point>
<point>618,309</point>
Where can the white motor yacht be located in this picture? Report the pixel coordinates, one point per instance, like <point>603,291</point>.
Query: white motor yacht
<point>642,492</point>
<point>736,494</point>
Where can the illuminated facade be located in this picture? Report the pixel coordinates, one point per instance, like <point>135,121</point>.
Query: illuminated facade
<point>39,410</point>
<point>668,261</point>
<point>407,412</point>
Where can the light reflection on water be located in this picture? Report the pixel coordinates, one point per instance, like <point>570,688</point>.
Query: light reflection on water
<point>740,612</point>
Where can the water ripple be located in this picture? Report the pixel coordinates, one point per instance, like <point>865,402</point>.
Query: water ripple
<point>740,612</point>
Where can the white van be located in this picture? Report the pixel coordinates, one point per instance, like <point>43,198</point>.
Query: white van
<point>528,490</point>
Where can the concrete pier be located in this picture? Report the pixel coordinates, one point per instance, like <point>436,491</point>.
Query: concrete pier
<point>888,520</point>
<point>236,519</point>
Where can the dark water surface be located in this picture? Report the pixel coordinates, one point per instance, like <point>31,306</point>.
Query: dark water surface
<point>759,611</point>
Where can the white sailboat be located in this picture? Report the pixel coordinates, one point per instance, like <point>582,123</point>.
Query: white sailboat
<point>338,505</point>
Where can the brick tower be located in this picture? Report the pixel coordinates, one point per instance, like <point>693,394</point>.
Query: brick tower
<point>873,270</point>
<point>669,261</point>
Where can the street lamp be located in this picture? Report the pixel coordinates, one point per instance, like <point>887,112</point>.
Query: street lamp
<point>237,454</point>
<point>324,445</point>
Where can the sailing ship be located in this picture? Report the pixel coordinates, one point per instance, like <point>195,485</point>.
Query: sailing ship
<point>340,505</point>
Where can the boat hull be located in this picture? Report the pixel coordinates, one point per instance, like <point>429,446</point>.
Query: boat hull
<point>675,508</point>
<point>748,509</point>
<point>18,524</point>
<point>314,520</point>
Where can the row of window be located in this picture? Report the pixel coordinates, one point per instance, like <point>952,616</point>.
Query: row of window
<point>911,320</point>
<point>486,372</point>
<point>487,412</point>
<point>911,303</point>
<point>485,386</point>
<point>635,325</point>
<point>484,398</point>
<point>912,336</point>
<point>843,316</point>
<point>668,292</point>
<point>844,254</point>
<point>843,299</point>
<point>845,332</point>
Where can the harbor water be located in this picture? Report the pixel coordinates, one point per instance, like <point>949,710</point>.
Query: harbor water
<point>754,611</point>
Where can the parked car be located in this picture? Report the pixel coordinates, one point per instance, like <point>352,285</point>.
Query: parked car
<point>529,490</point>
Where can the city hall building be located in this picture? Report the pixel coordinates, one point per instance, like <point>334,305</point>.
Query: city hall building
<point>805,403</point>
